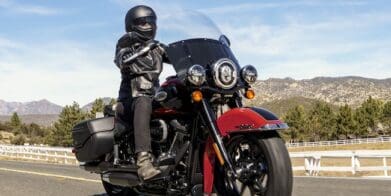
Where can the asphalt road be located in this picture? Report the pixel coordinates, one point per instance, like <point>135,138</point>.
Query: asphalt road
<point>27,178</point>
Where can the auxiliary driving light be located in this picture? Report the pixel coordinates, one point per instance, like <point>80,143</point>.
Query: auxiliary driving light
<point>249,74</point>
<point>196,75</point>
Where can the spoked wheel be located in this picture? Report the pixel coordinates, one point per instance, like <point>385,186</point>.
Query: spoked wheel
<point>262,163</point>
<point>115,190</point>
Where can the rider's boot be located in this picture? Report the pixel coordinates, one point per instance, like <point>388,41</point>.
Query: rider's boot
<point>145,168</point>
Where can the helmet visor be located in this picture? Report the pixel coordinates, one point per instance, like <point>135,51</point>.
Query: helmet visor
<point>145,23</point>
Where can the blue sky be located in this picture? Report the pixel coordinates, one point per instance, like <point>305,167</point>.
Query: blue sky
<point>63,50</point>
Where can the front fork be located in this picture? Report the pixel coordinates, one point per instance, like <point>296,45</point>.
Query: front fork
<point>218,145</point>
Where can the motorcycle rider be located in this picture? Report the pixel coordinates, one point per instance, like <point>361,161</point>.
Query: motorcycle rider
<point>139,78</point>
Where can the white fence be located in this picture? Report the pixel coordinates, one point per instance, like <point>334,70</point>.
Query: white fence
<point>312,161</point>
<point>38,153</point>
<point>340,142</point>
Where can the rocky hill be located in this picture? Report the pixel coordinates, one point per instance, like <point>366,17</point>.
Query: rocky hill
<point>334,90</point>
<point>34,107</point>
<point>280,107</point>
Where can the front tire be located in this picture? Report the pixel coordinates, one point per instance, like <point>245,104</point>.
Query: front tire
<point>263,162</point>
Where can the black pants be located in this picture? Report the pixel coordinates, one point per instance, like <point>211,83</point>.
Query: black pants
<point>138,113</point>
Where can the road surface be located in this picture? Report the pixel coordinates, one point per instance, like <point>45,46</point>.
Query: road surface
<point>27,178</point>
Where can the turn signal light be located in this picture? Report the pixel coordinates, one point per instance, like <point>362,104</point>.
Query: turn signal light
<point>250,94</point>
<point>196,96</point>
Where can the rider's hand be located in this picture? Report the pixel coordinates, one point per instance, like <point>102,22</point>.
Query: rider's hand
<point>122,55</point>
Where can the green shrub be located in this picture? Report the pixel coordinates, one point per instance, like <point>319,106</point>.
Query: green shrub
<point>18,140</point>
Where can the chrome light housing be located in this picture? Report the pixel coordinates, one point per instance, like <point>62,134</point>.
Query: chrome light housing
<point>196,75</point>
<point>225,73</point>
<point>249,74</point>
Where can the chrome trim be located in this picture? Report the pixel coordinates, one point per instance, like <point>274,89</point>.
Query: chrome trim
<point>160,96</point>
<point>196,71</point>
<point>251,71</point>
<point>216,73</point>
<point>269,127</point>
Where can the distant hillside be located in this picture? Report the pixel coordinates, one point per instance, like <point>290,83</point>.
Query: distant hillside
<point>34,107</point>
<point>280,107</point>
<point>88,107</point>
<point>334,90</point>
<point>40,119</point>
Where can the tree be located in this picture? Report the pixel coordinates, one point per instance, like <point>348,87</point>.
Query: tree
<point>296,119</point>
<point>322,122</point>
<point>368,115</point>
<point>97,106</point>
<point>62,130</point>
<point>6,126</point>
<point>362,121</point>
<point>35,130</point>
<point>15,121</point>
<point>113,101</point>
<point>345,121</point>
<point>386,116</point>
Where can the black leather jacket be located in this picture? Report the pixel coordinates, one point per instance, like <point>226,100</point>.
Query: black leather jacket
<point>134,83</point>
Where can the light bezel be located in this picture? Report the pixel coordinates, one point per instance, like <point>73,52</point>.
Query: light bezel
<point>216,73</point>
<point>190,75</point>
<point>244,70</point>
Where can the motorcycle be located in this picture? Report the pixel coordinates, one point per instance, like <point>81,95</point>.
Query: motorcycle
<point>204,139</point>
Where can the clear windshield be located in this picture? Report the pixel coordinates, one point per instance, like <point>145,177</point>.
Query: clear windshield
<point>180,25</point>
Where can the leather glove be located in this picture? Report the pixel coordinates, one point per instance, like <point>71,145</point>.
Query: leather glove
<point>122,55</point>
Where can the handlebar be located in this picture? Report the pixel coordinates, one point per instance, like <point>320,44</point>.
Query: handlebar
<point>147,48</point>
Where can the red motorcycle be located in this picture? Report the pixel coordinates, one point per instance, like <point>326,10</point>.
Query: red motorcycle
<point>204,140</point>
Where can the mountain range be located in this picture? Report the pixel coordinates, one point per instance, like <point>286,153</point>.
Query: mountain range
<point>26,108</point>
<point>275,94</point>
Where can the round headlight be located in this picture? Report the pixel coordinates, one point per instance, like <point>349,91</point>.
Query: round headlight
<point>225,73</point>
<point>196,75</point>
<point>249,74</point>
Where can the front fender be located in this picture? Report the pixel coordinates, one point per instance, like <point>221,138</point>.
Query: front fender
<point>248,119</point>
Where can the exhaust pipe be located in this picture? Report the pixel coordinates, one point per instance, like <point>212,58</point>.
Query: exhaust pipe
<point>121,178</point>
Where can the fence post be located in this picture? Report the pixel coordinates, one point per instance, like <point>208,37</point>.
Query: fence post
<point>65,158</point>
<point>55,156</point>
<point>385,166</point>
<point>308,165</point>
<point>353,163</point>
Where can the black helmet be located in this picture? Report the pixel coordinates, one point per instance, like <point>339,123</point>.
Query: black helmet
<point>141,19</point>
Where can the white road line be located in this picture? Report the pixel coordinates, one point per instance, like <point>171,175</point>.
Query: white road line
<point>347,178</point>
<point>49,175</point>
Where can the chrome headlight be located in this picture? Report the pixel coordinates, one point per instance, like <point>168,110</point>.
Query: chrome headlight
<point>196,75</point>
<point>225,73</point>
<point>249,74</point>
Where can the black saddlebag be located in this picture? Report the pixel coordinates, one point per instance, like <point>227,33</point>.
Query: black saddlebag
<point>93,138</point>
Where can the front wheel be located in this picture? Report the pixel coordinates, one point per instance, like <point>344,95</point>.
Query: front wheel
<point>262,163</point>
